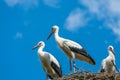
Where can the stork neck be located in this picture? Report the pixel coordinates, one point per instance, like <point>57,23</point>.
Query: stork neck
<point>40,49</point>
<point>111,54</point>
<point>56,34</point>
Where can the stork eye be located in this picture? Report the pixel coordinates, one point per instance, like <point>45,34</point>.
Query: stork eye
<point>39,43</point>
<point>110,48</point>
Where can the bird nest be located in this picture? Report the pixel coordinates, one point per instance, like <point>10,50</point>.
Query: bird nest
<point>85,75</point>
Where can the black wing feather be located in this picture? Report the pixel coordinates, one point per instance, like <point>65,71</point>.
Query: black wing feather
<point>82,52</point>
<point>102,70</point>
<point>47,74</point>
<point>57,69</point>
<point>50,76</point>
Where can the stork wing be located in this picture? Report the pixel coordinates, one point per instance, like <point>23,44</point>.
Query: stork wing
<point>101,68</point>
<point>79,51</point>
<point>115,66</point>
<point>47,73</point>
<point>57,69</point>
<point>55,65</point>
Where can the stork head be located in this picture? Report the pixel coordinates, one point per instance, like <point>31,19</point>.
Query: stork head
<point>40,44</point>
<point>54,29</point>
<point>111,49</point>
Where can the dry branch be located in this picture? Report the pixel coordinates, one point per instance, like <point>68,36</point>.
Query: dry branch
<point>85,75</point>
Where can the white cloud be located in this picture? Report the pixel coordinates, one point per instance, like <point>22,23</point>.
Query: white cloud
<point>75,20</point>
<point>116,31</point>
<point>26,4</point>
<point>103,9</point>
<point>114,6</point>
<point>115,27</point>
<point>92,5</point>
<point>107,11</point>
<point>96,7</point>
<point>18,35</point>
<point>11,2</point>
<point>52,3</point>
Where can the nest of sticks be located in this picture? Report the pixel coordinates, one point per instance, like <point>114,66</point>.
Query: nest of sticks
<point>85,75</point>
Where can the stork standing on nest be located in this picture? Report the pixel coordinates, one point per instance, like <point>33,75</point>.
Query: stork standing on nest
<point>71,48</point>
<point>49,62</point>
<point>108,64</point>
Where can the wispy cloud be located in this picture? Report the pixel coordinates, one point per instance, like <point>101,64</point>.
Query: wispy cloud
<point>52,3</point>
<point>114,6</point>
<point>116,31</point>
<point>92,5</point>
<point>106,11</point>
<point>75,20</point>
<point>26,4</point>
<point>115,27</point>
<point>11,3</point>
<point>99,6</point>
<point>18,35</point>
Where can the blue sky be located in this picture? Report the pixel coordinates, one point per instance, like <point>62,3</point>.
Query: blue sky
<point>92,23</point>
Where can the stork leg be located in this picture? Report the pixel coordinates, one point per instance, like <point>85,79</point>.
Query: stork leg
<point>46,77</point>
<point>115,66</point>
<point>73,60</point>
<point>70,61</point>
<point>74,65</point>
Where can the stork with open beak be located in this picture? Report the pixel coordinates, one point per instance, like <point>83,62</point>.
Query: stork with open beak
<point>72,49</point>
<point>49,62</point>
<point>108,64</point>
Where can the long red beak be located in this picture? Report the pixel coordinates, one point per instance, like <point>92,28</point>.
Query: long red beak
<point>112,51</point>
<point>50,34</point>
<point>35,47</point>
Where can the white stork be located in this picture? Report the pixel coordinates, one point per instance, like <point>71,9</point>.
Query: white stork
<point>108,64</point>
<point>72,49</point>
<point>49,62</point>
